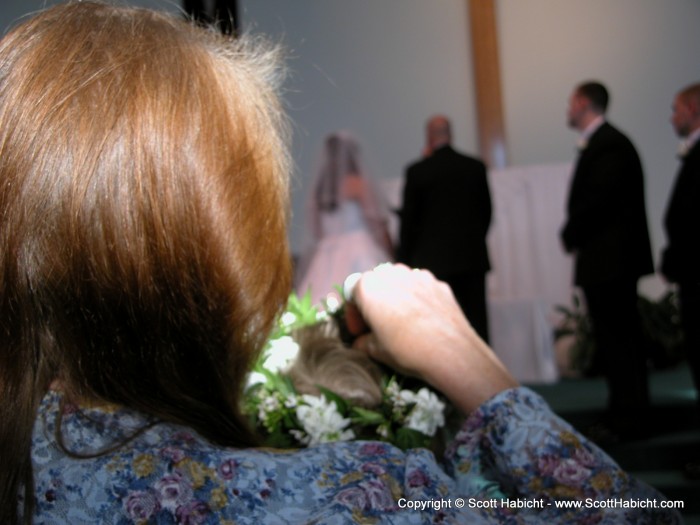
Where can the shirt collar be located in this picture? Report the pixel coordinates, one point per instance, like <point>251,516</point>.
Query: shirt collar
<point>592,127</point>
<point>687,144</point>
<point>693,138</point>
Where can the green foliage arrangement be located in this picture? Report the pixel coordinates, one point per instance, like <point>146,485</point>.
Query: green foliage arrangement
<point>660,323</point>
<point>407,418</point>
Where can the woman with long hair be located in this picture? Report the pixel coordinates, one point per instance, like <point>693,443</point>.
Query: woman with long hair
<point>143,259</point>
<point>139,159</point>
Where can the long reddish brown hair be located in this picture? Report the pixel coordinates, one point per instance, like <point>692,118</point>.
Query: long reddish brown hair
<point>143,212</point>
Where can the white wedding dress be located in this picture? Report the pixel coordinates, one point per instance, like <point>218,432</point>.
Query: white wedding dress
<point>346,246</point>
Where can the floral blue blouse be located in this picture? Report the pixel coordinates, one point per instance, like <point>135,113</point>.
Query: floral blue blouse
<point>512,462</point>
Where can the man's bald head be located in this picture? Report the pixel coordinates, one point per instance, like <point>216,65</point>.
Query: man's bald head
<point>438,132</point>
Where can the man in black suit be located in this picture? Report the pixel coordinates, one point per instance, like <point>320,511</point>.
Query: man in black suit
<point>445,216</point>
<point>680,261</point>
<point>606,231</point>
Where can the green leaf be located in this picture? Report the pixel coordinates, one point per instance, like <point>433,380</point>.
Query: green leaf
<point>407,438</point>
<point>303,309</point>
<point>290,421</point>
<point>363,416</point>
<point>340,403</point>
<point>281,439</point>
<point>286,387</point>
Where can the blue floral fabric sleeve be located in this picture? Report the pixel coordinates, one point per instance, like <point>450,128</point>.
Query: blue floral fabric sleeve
<point>512,449</point>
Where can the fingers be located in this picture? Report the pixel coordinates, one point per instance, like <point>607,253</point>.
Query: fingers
<point>419,330</point>
<point>353,319</point>
<point>370,345</point>
<point>374,296</point>
<point>394,293</point>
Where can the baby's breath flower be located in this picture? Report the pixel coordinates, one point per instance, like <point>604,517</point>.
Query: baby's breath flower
<point>332,303</point>
<point>394,393</point>
<point>383,430</point>
<point>290,401</point>
<point>299,435</point>
<point>269,403</point>
<point>392,389</point>
<point>288,319</point>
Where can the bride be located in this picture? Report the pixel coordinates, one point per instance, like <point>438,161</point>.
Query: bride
<point>346,221</point>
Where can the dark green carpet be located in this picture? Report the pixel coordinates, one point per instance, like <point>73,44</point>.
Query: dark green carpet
<point>674,423</point>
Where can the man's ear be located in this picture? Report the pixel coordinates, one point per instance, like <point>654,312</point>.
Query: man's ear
<point>694,108</point>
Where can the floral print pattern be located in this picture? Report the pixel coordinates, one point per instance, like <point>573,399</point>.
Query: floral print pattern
<point>511,447</point>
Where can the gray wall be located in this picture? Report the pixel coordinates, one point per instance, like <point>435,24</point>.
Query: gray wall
<point>380,69</point>
<point>644,50</point>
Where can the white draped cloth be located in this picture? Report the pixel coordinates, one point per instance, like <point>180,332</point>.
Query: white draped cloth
<point>531,272</point>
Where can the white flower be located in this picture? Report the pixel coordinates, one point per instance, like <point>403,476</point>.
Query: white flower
<point>392,390</point>
<point>298,435</point>
<point>254,378</point>
<point>290,401</point>
<point>332,303</point>
<point>288,319</point>
<point>405,397</point>
<point>269,403</point>
<point>321,421</point>
<point>427,414</point>
<point>281,354</point>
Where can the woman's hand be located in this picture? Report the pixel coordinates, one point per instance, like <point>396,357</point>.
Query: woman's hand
<point>418,328</point>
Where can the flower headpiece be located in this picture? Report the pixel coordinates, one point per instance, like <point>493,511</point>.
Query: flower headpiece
<point>286,417</point>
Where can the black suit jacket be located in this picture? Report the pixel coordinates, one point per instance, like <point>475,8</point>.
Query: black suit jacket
<point>680,261</point>
<point>606,226</point>
<point>446,214</point>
